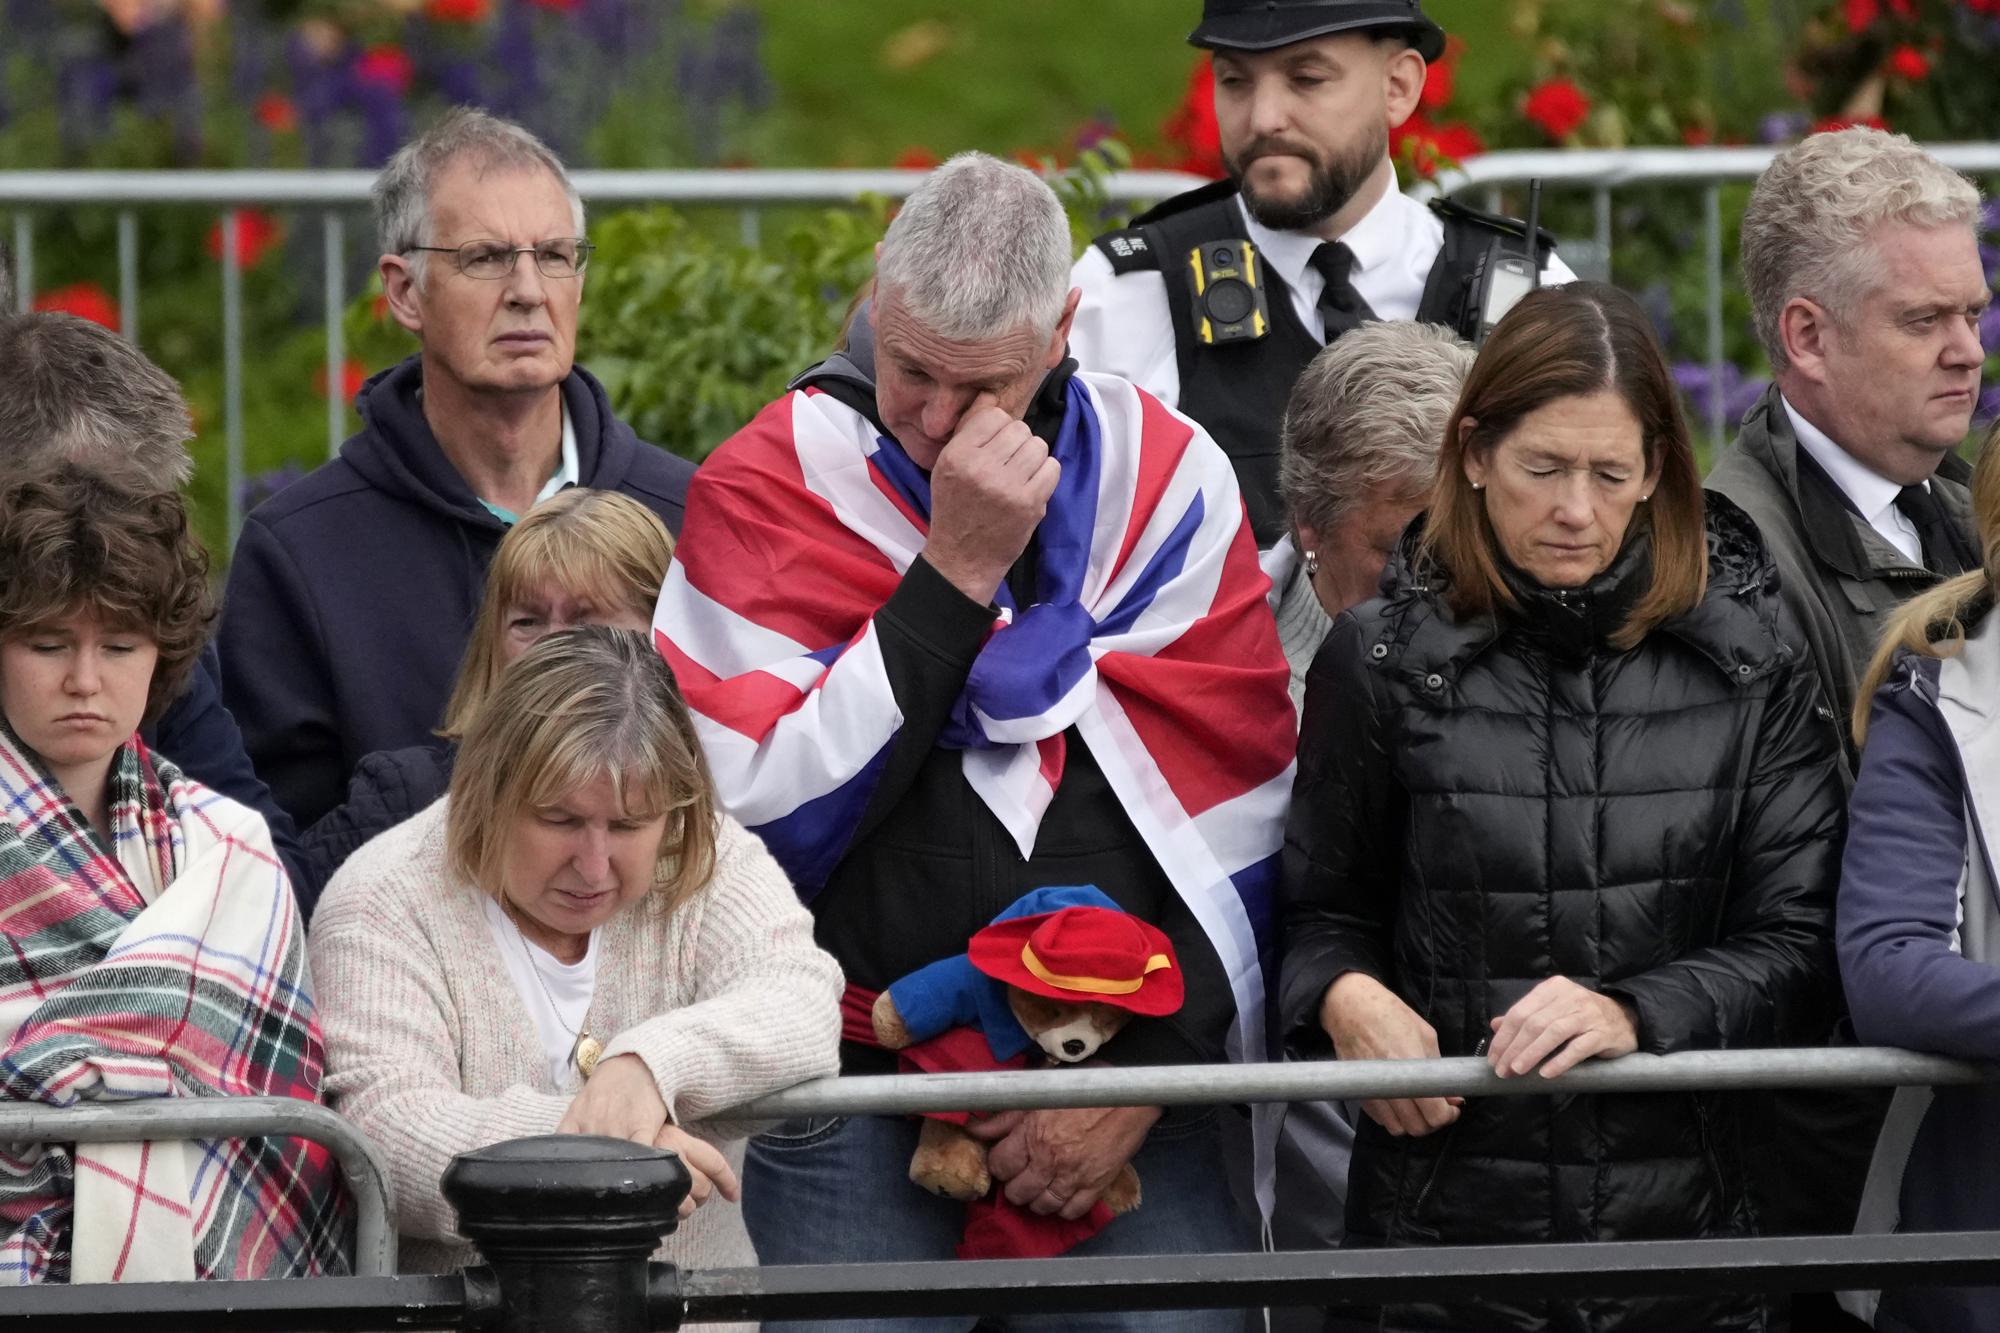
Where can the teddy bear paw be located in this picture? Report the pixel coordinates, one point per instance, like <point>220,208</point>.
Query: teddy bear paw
<point>1122,1194</point>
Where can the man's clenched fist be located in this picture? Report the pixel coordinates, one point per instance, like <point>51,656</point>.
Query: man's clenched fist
<point>989,490</point>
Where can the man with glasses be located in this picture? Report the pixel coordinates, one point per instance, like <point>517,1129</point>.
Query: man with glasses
<point>352,591</point>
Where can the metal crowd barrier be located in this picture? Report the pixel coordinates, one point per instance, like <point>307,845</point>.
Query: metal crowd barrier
<point>566,1226</point>
<point>230,1118</point>
<point>336,193</point>
<point>333,193</point>
<point>1604,171</point>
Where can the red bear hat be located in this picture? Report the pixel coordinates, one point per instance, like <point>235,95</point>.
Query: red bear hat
<point>1084,954</point>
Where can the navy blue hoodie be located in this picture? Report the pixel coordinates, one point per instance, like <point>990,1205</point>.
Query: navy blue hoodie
<point>351,592</point>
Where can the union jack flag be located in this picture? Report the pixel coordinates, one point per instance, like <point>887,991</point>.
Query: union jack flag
<point>1149,635</point>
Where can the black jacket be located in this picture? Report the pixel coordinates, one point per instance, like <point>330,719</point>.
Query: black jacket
<point>351,592</point>
<point>1484,804</point>
<point>386,789</point>
<point>930,864</point>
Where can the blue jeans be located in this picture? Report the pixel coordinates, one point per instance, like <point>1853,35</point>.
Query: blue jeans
<point>838,1190</point>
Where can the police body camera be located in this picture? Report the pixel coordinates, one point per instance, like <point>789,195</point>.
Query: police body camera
<point>1227,283</point>
<point>1504,276</point>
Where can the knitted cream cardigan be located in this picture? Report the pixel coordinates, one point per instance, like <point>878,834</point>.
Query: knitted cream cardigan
<point>431,1052</point>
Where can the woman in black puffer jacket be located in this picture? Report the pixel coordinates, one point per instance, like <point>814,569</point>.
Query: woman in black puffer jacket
<point>1566,790</point>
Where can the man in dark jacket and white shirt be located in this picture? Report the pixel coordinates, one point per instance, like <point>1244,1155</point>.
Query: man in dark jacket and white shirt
<point>1861,255</point>
<point>1862,261</point>
<point>352,591</point>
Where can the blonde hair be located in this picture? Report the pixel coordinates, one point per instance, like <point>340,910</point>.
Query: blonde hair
<point>596,543</point>
<point>1932,624</point>
<point>1560,342</point>
<point>580,705</point>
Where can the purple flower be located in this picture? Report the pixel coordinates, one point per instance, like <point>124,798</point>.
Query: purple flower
<point>1782,127</point>
<point>263,485</point>
<point>1989,406</point>
<point>1735,392</point>
<point>1989,329</point>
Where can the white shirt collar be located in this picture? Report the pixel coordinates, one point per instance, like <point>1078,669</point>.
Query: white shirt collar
<point>1376,239</point>
<point>1871,493</point>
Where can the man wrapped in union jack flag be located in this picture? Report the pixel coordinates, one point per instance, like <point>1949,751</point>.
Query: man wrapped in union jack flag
<point>957,621</point>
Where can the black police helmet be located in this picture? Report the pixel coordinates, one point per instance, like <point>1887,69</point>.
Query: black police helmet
<point>1261,25</point>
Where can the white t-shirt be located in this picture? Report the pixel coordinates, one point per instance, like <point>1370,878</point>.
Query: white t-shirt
<point>559,1002</point>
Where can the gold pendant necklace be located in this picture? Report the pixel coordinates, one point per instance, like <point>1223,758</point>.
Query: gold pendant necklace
<point>587,1050</point>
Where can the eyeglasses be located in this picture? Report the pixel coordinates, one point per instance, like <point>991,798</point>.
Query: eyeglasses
<point>564,258</point>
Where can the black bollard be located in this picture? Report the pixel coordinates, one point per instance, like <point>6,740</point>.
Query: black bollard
<point>566,1224</point>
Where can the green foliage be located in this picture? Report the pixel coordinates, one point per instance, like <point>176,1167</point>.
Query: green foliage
<point>692,334</point>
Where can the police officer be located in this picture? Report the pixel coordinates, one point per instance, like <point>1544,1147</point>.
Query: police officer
<point>1216,299</point>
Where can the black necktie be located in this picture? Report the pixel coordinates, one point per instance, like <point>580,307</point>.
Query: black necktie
<point>1945,550</point>
<point>1340,306</point>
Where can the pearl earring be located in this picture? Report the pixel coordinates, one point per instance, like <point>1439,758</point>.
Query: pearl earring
<point>1478,485</point>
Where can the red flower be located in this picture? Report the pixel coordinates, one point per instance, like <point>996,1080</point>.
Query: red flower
<point>914,158</point>
<point>256,233</point>
<point>1861,14</point>
<point>352,376</point>
<point>386,66</point>
<point>1557,106</point>
<point>457,11</point>
<point>1832,123</point>
<point>1192,128</point>
<point>85,300</point>
<point>276,113</point>
<point>1697,136</point>
<point>1427,147</point>
<point>1908,63</point>
<point>1441,76</point>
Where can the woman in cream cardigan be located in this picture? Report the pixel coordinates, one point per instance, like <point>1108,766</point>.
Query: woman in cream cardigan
<point>574,940</point>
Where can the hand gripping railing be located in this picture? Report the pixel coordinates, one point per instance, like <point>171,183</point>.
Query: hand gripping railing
<point>231,1118</point>
<point>566,1225</point>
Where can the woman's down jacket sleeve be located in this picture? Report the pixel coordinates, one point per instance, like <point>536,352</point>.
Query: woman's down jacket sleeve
<point>1343,841</point>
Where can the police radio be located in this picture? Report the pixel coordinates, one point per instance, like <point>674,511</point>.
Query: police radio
<point>1505,277</point>
<point>1230,306</point>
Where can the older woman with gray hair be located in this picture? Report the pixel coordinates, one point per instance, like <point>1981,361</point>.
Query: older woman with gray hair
<point>1360,444</point>
<point>574,940</point>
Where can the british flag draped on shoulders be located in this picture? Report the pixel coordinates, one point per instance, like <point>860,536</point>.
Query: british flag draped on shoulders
<point>171,965</point>
<point>1147,635</point>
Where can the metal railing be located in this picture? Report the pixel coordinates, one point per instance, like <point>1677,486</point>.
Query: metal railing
<point>1604,171</point>
<point>333,193</point>
<point>231,1118</point>
<point>586,1266</point>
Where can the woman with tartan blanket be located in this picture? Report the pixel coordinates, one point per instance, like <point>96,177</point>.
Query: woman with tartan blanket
<point>153,948</point>
<point>574,940</point>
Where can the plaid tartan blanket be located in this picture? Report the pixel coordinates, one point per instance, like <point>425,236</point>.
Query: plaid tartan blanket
<point>172,964</point>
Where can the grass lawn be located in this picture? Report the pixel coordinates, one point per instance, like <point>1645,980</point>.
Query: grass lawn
<point>857,84</point>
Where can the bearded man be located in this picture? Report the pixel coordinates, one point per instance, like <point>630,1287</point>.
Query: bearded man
<point>1215,300</point>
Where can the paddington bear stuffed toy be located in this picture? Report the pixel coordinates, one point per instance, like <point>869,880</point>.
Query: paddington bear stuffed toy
<point>1061,971</point>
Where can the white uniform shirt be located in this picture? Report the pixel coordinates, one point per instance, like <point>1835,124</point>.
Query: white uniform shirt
<point>1873,495</point>
<point>1124,327</point>
<point>556,994</point>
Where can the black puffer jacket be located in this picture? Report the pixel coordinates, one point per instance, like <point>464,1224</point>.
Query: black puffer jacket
<point>1486,804</point>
